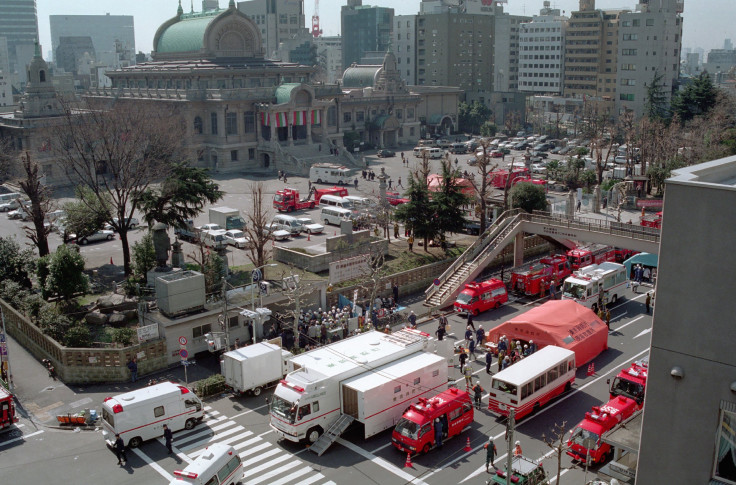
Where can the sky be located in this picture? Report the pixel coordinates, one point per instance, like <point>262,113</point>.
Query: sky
<point>706,22</point>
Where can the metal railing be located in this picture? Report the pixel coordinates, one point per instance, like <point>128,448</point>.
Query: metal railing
<point>642,233</point>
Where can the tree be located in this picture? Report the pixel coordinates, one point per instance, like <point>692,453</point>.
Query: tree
<point>698,97</point>
<point>528,197</point>
<point>16,264</point>
<point>488,129</point>
<point>472,116</point>
<point>8,157</point>
<point>558,445</point>
<point>214,272</point>
<point>481,184</point>
<point>447,203</point>
<point>257,222</point>
<point>144,255</point>
<point>180,197</point>
<point>655,104</point>
<point>40,197</point>
<point>117,151</point>
<point>417,213</point>
<point>86,213</point>
<point>66,276</point>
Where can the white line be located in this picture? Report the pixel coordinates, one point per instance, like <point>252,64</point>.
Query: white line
<point>260,457</point>
<point>266,432</point>
<point>627,324</point>
<point>311,479</point>
<point>245,444</point>
<point>212,438</point>
<point>554,478</point>
<point>195,436</point>
<point>222,426</point>
<point>269,464</point>
<point>381,462</point>
<point>227,441</point>
<point>249,411</point>
<point>153,465</point>
<point>381,447</point>
<point>176,451</point>
<point>289,478</point>
<point>482,468</point>
<point>272,473</point>
<point>21,438</point>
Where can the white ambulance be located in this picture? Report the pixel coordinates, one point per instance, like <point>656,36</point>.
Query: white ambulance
<point>329,173</point>
<point>218,464</point>
<point>140,415</point>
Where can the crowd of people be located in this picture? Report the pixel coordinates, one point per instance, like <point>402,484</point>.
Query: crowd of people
<point>315,326</point>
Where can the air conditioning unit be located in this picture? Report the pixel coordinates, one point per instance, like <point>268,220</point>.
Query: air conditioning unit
<point>180,293</point>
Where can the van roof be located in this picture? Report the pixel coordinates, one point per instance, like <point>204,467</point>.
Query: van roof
<point>520,372</point>
<point>211,457</point>
<point>338,209</point>
<point>144,394</point>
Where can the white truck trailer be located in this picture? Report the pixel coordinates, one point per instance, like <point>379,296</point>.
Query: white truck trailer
<point>255,367</point>
<point>596,284</point>
<point>371,378</point>
<point>227,218</point>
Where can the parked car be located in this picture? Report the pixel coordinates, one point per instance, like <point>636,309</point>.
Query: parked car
<point>100,235</point>
<point>542,147</point>
<point>538,168</point>
<point>496,154</point>
<point>384,153</point>
<point>521,146</point>
<point>555,150</point>
<point>133,223</point>
<point>210,227</point>
<point>620,160</point>
<point>276,234</point>
<point>309,226</point>
<point>237,238</point>
<point>537,153</point>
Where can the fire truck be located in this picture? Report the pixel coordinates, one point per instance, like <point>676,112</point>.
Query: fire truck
<point>287,200</point>
<point>479,297</point>
<point>585,442</point>
<point>652,221</point>
<point>7,409</point>
<point>591,254</point>
<point>631,382</point>
<point>528,279</point>
<point>500,178</point>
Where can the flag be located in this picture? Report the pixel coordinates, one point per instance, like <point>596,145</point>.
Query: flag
<point>265,119</point>
<point>280,120</point>
<point>299,118</point>
<point>316,117</point>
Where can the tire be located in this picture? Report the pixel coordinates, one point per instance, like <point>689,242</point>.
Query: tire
<point>313,434</point>
<point>289,209</point>
<point>536,407</point>
<point>309,231</point>
<point>110,237</point>
<point>257,391</point>
<point>340,183</point>
<point>568,387</point>
<point>614,299</point>
<point>319,181</point>
<point>135,442</point>
<point>498,305</point>
<point>475,312</point>
<point>190,424</point>
<point>311,206</point>
<point>83,241</point>
<point>326,222</point>
<point>426,449</point>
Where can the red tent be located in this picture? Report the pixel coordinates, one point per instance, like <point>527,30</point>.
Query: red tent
<point>558,322</point>
<point>434,184</point>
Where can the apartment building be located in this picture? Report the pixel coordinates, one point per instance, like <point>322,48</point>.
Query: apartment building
<point>542,52</point>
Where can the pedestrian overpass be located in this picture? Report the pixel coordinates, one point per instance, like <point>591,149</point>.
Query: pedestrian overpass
<point>510,228</point>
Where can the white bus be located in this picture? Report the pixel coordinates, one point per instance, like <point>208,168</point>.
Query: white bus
<point>329,173</point>
<point>333,215</point>
<point>532,382</point>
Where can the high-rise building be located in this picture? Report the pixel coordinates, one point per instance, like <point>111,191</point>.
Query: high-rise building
<point>19,25</point>
<point>364,29</point>
<point>541,52</point>
<point>329,58</point>
<point>278,20</point>
<point>403,44</point>
<point>104,31</point>
<point>649,44</point>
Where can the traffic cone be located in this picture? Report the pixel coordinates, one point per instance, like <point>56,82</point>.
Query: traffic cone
<point>467,445</point>
<point>309,236</point>
<point>591,369</point>
<point>407,463</point>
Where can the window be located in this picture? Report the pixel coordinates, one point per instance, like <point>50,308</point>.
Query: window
<point>410,114</point>
<point>650,22</point>
<point>304,411</point>
<point>725,459</point>
<point>539,383</point>
<point>397,388</point>
<point>347,117</point>
<point>197,125</point>
<point>626,97</point>
<point>233,155</point>
<point>231,124</point>
<point>213,123</point>
<point>251,153</point>
<point>249,122</point>
<point>315,406</point>
<point>417,381</point>
<point>158,411</point>
<point>552,375</point>
<point>201,330</point>
<point>435,373</point>
<point>400,114</point>
<point>331,116</point>
<point>359,116</point>
<point>228,469</point>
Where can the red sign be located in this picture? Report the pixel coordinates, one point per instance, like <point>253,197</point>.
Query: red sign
<point>649,203</point>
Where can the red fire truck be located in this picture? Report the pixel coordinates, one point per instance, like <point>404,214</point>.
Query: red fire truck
<point>500,178</point>
<point>415,430</point>
<point>287,200</point>
<point>652,221</point>
<point>528,279</point>
<point>631,382</point>
<point>588,432</point>
<point>592,254</point>
<point>395,198</point>
<point>479,297</point>
<point>7,409</point>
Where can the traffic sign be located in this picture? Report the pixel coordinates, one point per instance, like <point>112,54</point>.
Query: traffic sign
<point>437,282</point>
<point>256,275</point>
<point>182,340</point>
<point>183,353</point>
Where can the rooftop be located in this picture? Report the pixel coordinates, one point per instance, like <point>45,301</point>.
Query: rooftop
<point>716,174</point>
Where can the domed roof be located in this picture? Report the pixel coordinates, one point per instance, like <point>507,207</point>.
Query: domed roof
<point>357,76</point>
<point>186,35</point>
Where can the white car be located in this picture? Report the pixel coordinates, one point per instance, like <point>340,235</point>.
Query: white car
<point>132,224</point>
<point>538,168</point>
<point>309,226</point>
<point>101,235</point>
<point>11,205</point>
<point>237,238</point>
<point>276,234</point>
<point>210,227</point>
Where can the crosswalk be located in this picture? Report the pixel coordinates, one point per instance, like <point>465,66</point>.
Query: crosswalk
<point>263,462</point>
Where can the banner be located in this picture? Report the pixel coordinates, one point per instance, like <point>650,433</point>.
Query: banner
<point>348,269</point>
<point>149,332</point>
<point>299,118</point>
<point>265,119</point>
<point>316,117</point>
<point>280,119</point>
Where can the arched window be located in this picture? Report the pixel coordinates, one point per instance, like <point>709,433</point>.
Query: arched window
<point>197,125</point>
<point>42,76</point>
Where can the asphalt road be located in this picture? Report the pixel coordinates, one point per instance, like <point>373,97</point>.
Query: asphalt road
<point>243,422</point>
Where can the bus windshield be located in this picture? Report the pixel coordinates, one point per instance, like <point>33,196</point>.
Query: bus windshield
<point>284,409</point>
<point>503,387</point>
<point>573,290</point>
<point>579,435</point>
<point>407,428</point>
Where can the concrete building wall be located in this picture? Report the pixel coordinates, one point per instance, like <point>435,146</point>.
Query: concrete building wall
<point>104,30</point>
<point>278,20</point>
<point>6,90</point>
<point>19,25</point>
<point>403,43</point>
<point>693,328</point>
<point>541,54</point>
<point>364,28</point>
<point>329,57</point>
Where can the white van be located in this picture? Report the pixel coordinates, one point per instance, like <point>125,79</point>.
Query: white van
<point>214,238</point>
<point>418,151</point>
<point>329,173</point>
<point>219,464</point>
<point>333,215</point>
<point>289,224</point>
<point>435,153</point>
<point>360,203</point>
<point>335,201</point>
<point>140,415</point>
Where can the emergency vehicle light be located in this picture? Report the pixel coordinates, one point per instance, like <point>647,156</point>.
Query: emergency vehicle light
<point>183,389</point>
<point>181,473</point>
<point>118,408</point>
<point>291,386</point>
<point>632,372</point>
<point>106,399</point>
<point>454,390</point>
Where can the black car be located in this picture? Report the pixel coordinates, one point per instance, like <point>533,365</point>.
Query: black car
<point>383,153</point>
<point>521,146</point>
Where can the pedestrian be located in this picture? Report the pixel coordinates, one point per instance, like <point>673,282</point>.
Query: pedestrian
<point>601,315</point>
<point>413,319</point>
<point>396,230</point>
<point>463,357</point>
<point>319,147</point>
<point>310,185</point>
<point>468,373</point>
<point>501,356</point>
<point>468,335</point>
<point>438,433</point>
<point>395,290</point>
<point>480,335</point>
<point>478,393</point>
<point>119,447</point>
<point>440,332</point>
<point>411,242</point>
<point>502,345</point>
<point>517,449</point>
<point>470,320</point>
<point>489,361</point>
<point>532,347</point>
<point>356,183</point>
<point>648,301</point>
<point>363,173</point>
<point>471,347</point>
<point>323,333</point>
<point>389,183</point>
<point>578,205</point>
<point>608,318</point>
<point>398,184</point>
<point>506,362</point>
<point>168,436</point>
<point>133,366</point>
<point>279,172</point>
<point>491,453</point>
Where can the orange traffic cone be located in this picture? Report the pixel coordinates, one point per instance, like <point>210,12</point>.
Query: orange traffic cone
<point>309,236</point>
<point>407,463</point>
<point>591,369</point>
<point>467,445</point>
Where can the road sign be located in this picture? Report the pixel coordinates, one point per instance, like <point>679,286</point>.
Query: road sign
<point>256,275</point>
<point>437,282</point>
<point>182,340</point>
<point>183,353</point>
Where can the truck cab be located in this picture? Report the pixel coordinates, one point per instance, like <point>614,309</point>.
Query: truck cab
<point>585,439</point>
<point>631,382</point>
<point>479,297</point>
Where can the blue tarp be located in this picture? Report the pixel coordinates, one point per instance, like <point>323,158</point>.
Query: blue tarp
<point>645,259</point>
<point>343,301</point>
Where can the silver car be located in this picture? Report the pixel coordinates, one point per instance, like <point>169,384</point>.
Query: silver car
<point>100,235</point>
<point>237,238</point>
<point>310,227</point>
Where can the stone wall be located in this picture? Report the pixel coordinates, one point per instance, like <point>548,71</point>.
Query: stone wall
<point>316,263</point>
<point>84,365</point>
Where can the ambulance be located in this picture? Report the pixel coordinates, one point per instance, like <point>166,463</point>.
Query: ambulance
<point>597,284</point>
<point>218,464</point>
<point>479,297</point>
<point>415,430</point>
<point>632,382</point>
<point>591,428</point>
<point>140,415</point>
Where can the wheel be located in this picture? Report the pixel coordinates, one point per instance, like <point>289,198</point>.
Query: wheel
<point>339,182</point>
<point>326,222</point>
<point>83,241</point>
<point>319,181</point>
<point>311,206</point>
<point>498,305</point>
<point>313,434</point>
<point>595,308</point>
<point>535,409</point>
<point>614,299</point>
<point>135,442</point>
<point>189,424</point>
<point>568,387</point>
<point>110,237</point>
<point>256,391</point>
<point>426,448</point>
<point>309,231</point>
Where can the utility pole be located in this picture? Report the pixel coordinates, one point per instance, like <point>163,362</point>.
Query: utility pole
<point>509,445</point>
<point>225,318</point>
<point>7,352</point>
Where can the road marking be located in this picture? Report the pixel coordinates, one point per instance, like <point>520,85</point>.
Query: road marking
<point>211,439</point>
<point>276,460</point>
<point>260,457</point>
<point>227,441</point>
<point>296,474</point>
<point>643,332</point>
<point>380,448</point>
<point>554,479</point>
<point>249,411</point>
<point>20,438</point>
<point>482,468</point>
<point>273,473</point>
<point>312,479</point>
<point>153,465</point>
<point>381,462</point>
<point>627,324</point>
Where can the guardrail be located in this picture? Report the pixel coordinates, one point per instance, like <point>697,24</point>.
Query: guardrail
<point>649,234</point>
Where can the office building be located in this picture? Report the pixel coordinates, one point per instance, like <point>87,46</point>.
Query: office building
<point>649,45</point>
<point>403,43</point>
<point>542,52</point>
<point>6,90</point>
<point>278,21</point>
<point>689,419</point>
<point>364,29</point>
<point>19,26</point>
<point>329,58</point>
<point>105,32</point>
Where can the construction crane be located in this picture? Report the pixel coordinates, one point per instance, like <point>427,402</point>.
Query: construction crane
<point>316,31</point>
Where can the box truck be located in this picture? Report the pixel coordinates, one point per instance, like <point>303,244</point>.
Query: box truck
<point>255,367</point>
<point>370,378</point>
<point>227,218</point>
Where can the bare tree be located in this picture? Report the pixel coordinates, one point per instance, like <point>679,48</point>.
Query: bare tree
<point>257,223</point>
<point>558,445</point>
<point>372,275</point>
<point>7,159</point>
<point>295,290</point>
<point>481,185</point>
<point>117,150</point>
<point>40,197</point>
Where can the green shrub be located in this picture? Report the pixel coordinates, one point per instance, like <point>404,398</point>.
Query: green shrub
<point>78,336</point>
<point>212,385</point>
<point>52,323</point>
<point>124,335</point>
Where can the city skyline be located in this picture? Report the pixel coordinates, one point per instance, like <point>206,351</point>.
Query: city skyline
<point>701,28</point>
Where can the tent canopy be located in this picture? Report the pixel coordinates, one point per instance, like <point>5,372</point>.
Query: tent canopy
<point>434,184</point>
<point>563,323</point>
<point>645,259</point>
